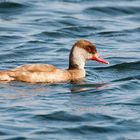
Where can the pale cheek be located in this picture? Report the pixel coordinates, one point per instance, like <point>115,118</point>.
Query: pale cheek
<point>90,56</point>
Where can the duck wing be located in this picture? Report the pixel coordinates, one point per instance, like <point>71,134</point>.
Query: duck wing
<point>36,68</point>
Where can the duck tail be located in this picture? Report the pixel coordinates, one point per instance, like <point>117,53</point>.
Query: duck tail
<point>6,75</point>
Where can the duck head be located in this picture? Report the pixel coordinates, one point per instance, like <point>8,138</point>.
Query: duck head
<point>82,51</point>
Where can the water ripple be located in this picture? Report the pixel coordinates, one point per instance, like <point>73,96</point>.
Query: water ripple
<point>113,11</point>
<point>105,104</point>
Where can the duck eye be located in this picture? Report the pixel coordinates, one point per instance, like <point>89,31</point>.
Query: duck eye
<point>89,49</point>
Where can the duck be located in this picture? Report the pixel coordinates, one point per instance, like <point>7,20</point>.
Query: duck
<point>81,51</point>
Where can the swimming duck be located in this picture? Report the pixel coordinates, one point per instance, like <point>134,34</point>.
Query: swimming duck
<point>81,51</point>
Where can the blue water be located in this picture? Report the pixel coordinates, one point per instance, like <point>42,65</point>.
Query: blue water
<point>103,106</point>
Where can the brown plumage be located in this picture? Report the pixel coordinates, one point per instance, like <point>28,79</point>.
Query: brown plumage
<point>81,51</point>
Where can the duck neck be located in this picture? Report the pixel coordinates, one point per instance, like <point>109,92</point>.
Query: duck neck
<point>77,59</point>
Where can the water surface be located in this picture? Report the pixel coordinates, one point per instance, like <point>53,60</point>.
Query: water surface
<point>105,104</point>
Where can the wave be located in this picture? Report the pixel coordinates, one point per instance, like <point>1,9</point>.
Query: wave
<point>113,10</point>
<point>11,5</point>
<point>67,116</point>
<point>119,33</point>
<point>11,8</point>
<point>59,115</point>
<point>54,34</point>
<point>123,66</point>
